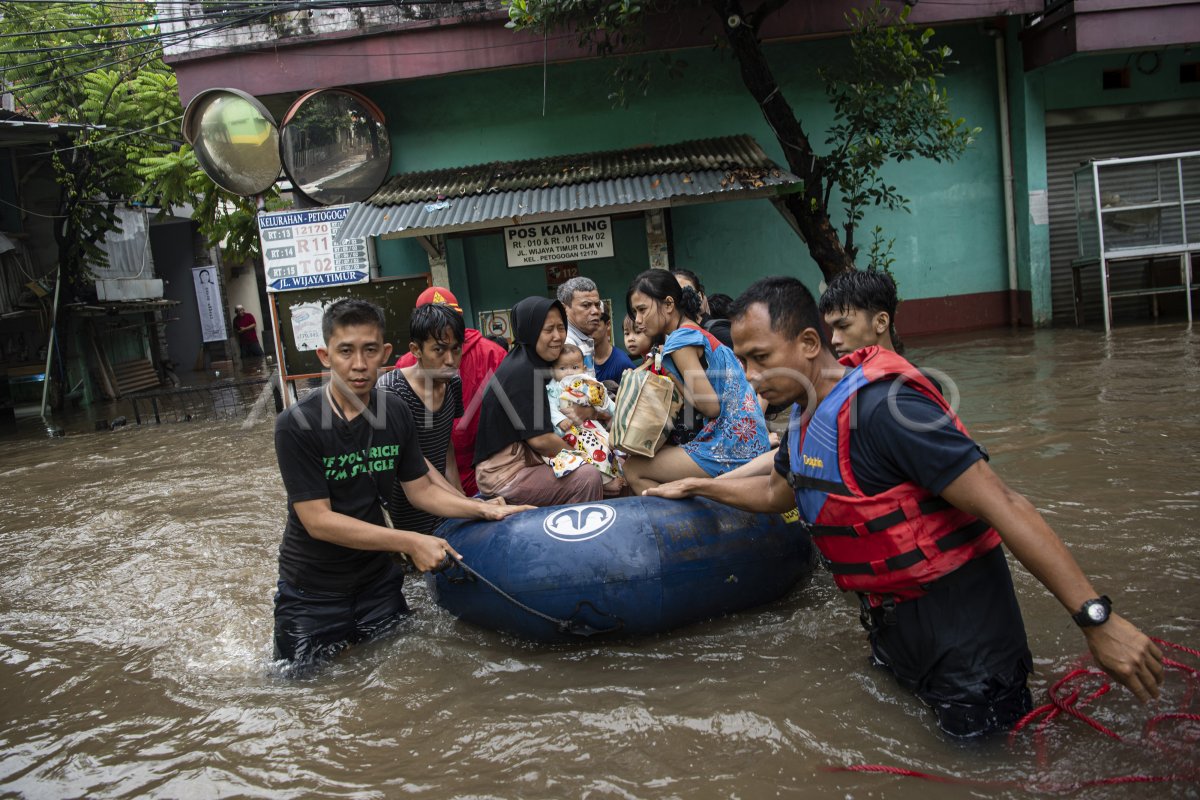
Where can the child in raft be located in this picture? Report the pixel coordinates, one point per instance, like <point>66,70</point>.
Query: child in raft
<point>573,387</point>
<point>637,343</point>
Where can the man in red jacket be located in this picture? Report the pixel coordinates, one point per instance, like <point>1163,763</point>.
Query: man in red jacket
<point>479,360</point>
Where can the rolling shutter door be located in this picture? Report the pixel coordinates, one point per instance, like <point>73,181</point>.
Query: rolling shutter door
<point>1067,148</point>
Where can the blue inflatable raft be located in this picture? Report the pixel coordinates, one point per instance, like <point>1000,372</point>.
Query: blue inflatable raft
<point>630,566</point>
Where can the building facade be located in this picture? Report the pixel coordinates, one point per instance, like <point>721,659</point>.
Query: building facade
<point>986,241</point>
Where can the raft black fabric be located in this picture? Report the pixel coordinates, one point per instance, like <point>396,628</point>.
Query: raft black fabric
<point>515,406</point>
<point>433,432</point>
<point>320,455</point>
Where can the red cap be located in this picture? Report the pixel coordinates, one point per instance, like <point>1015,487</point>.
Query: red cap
<point>439,294</point>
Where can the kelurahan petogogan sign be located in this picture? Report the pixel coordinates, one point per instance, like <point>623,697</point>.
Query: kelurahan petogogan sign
<point>300,252</point>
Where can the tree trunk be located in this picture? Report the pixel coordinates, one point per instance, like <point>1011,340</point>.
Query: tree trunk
<point>807,207</point>
<point>67,234</point>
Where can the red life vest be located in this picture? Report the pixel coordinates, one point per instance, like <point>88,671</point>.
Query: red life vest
<point>888,545</point>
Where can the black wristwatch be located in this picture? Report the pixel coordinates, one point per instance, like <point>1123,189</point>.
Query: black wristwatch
<point>1093,612</point>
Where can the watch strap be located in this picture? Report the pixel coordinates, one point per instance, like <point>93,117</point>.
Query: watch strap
<point>1084,619</point>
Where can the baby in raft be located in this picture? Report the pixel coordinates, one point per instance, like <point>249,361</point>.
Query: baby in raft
<point>588,439</point>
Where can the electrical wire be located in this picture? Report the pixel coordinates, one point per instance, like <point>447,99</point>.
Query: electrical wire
<point>192,33</point>
<point>26,87</point>
<point>33,213</point>
<point>261,9</point>
<point>92,48</point>
<point>169,37</point>
<point>123,134</point>
<point>111,44</point>
<point>257,6</point>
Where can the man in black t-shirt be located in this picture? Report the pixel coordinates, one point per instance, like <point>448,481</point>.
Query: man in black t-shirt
<point>859,306</point>
<point>340,450</point>
<point>955,639</point>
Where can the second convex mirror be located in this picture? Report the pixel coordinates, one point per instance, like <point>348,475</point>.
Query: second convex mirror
<point>335,146</point>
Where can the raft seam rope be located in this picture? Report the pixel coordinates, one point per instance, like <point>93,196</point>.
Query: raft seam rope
<point>563,625</point>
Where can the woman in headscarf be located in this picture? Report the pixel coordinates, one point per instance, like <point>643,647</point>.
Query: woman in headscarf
<point>515,430</point>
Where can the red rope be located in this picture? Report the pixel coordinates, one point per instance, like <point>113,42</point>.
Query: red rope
<point>1071,705</point>
<point>1179,647</point>
<point>928,776</point>
<point>1050,788</point>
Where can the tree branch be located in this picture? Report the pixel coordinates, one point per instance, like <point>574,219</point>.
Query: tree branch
<point>809,207</point>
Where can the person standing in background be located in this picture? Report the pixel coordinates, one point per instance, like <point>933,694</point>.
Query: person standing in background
<point>581,298</point>
<point>611,363</point>
<point>247,330</point>
<point>717,326</point>
<point>859,306</point>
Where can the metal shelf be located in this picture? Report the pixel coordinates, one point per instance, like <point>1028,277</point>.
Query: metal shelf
<point>1163,220</point>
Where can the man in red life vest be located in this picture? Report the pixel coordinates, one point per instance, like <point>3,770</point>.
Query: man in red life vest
<point>908,514</point>
<point>479,360</point>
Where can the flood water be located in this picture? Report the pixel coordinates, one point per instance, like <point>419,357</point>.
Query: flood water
<point>135,626</point>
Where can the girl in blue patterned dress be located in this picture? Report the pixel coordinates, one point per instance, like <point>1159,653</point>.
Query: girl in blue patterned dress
<point>732,429</point>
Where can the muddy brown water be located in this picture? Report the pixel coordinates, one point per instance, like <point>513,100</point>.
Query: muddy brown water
<point>135,620</point>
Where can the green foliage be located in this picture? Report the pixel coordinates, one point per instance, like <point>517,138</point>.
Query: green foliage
<point>879,255</point>
<point>888,101</point>
<point>888,106</point>
<point>112,80</point>
<point>607,28</point>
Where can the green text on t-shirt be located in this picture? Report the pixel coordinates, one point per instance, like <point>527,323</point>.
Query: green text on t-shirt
<point>349,465</point>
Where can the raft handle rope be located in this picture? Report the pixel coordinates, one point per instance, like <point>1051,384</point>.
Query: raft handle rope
<point>571,625</point>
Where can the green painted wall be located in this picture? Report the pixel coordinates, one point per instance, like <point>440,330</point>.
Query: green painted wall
<point>951,242</point>
<point>1028,125</point>
<point>400,257</point>
<point>1153,77</point>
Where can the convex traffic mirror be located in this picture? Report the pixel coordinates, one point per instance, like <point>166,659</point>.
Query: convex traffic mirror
<point>235,140</point>
<point>335,146</point>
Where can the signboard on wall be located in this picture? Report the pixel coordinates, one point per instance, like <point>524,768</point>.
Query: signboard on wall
<point>497,323</point>
<point>298,317</point>
<point>208,303</point>
<point>558,274</point>
<point>300,250</point>
<point>306,324</point>
<point>564,240</point>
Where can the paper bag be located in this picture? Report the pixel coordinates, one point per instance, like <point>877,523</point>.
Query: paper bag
<point>646,408</point>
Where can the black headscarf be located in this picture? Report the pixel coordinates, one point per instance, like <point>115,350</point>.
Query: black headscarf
<point>515,406</point>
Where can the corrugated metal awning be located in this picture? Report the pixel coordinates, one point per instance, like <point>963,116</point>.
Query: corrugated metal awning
<point>115,307</point>
<point>516,192</point>
<point>17,130</point>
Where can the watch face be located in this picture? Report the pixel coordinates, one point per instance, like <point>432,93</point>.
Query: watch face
<point>1097,613</point>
